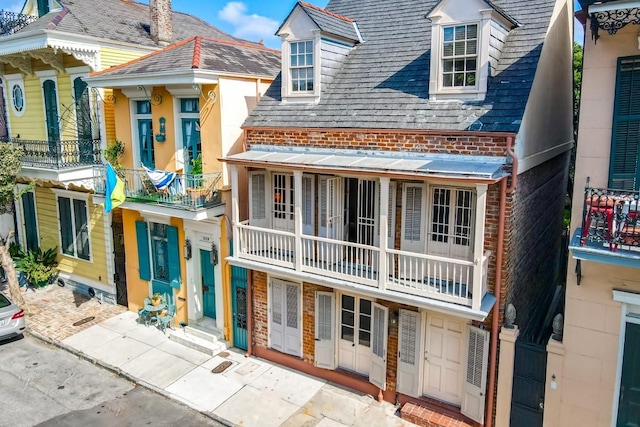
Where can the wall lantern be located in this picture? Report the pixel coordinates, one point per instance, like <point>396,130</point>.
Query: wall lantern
<point>214,254</point>
<point>161,136</point>
<point>187,249</point>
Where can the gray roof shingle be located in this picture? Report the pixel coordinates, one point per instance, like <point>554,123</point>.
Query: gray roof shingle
<point>204,54</point>
<point>121,21</point>
<point>384,82</point>
<point>330,23</point>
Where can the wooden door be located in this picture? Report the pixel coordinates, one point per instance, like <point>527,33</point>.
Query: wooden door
<point>208,284</point>
<point>444,357</point>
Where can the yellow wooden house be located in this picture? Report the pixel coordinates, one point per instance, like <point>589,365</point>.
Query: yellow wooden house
<point>177,112</point>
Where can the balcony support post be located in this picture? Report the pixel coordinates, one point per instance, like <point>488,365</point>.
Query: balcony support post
<point>235,208</point>
<point>384,232</point>
<point>478,245</point>
<point>297,218</point>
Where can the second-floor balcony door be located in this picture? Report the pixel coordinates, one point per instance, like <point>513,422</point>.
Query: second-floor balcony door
<point>283,203</point>
<point>450,223</point>
<point>331,208</point>
<point>83,120</point>
<point>51,115</point>
<point>145,133</point>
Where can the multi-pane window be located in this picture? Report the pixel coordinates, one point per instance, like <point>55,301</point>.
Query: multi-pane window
<point>145,133</point>
<point>442,223</point>
<point>74,227</point>
<point>353,309</point>
<point>301,63</point>
<point>460,56</point>
<point>283,192</point>
<point>160,251</point>
<point>190,116</point>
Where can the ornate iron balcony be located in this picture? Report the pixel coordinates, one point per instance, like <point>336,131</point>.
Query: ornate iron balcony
<point>184,191</point>
<point>11,22</point>
<point>58,155</point>
<point>611,218</point>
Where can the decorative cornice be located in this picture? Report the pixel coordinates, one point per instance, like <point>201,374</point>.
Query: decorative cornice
<point>89,57</point>
<point>49,57</point>
<point>22,63</point>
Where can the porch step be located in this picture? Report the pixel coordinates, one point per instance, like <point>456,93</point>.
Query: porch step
<point>204,345</point>
<point>213,335</point>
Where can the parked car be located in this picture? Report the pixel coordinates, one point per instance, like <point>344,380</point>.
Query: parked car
<point>11,319</point>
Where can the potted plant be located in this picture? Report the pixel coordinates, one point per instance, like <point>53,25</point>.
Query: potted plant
<point>195,181</point>
<point>156,299</point>
<point>38,268</point>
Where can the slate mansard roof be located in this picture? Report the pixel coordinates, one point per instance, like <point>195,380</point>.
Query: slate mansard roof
<point>384,82</point>
<point>202,53</point>
<point>119,20</point>
<point>331,22</point>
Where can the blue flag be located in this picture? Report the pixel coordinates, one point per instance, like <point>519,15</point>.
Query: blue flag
<point>114,190</point>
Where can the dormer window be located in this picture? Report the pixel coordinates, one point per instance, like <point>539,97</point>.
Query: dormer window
<point>460,56</point>
<point>301,66</point>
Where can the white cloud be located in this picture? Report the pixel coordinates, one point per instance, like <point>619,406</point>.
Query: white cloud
<point>248,26</point>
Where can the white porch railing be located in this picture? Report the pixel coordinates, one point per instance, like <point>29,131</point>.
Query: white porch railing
<point>429,276</point>
<point>338,259</point>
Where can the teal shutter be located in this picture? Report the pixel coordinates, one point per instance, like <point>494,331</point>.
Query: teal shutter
<point>144,264</point>
<point>624,172</point>
<point>31,231</point>
<point>66,226</point>
<point>51,111</point>
<point>43,7</point>
<point>145,136</point>
<point>174,257</point>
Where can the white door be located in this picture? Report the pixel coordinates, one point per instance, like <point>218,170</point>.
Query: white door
<point>324,355</point>
<point>475,385</point>
<point>283,205</point>
<point>409,360</point>
<point>285,317</point>
<point>367,212</point>
<point>444,358</point>
<point>450,225</point>
<point>378,372</point>
<point>330,222</point>
<point>354,344</point>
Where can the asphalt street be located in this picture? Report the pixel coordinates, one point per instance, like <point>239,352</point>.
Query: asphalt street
<point>41,385</point>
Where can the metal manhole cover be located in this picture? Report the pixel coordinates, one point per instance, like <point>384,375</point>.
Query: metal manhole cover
<point>221,367</point>
<point>83,321</point>
<point>224,354</point>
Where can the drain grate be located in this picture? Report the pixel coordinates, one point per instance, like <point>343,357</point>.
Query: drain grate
<point>221,367</point>
<point>83,321</point>
<point>224,354</point>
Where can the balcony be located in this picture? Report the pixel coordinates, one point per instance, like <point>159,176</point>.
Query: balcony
<point>58,155</point>
<point>438,278</point>
<point>184,192</point>
<point>11,22</point>
<point>610,229</point>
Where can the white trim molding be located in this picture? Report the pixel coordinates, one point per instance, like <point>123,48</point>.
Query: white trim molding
<point>11,81</point>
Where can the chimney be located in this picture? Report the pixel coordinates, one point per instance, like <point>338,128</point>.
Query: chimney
<point>161,28</point>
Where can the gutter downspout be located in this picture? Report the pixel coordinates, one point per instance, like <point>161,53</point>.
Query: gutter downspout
<point>495,326</point>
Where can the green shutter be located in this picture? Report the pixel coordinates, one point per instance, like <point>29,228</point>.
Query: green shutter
<point>43,7</point>
<point>174,257</point>
<point>144,264</point>
<point>51,111</point>
<point>624,172</point>
<point>66,226</point>
<point>29,211</point>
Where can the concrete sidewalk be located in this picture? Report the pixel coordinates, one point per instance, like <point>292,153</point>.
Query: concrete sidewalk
<point>249,392</point>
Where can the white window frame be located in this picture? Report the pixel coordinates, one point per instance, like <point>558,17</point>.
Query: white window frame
<point>288,95</point>
<point>630,305</point>
<point>135,137</point>
<point>298,44</point>
<point>178,116</point>
<point>74,196</point>
<point>12,80</point>
<point>455,57</point>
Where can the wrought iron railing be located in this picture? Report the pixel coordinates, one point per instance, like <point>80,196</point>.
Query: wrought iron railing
<point>185,191</point>
<point>58,154</point>
<point>611,218</point>
<point>11,22</point>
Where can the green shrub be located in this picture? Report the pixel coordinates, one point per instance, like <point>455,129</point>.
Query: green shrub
<point>38,267</point>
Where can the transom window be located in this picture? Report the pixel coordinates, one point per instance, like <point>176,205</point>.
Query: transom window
<point>460,56</point>
<point>301,66</point>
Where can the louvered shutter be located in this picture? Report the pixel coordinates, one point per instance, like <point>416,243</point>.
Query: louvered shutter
<point>324,355</point>
<point>82,229</point>
<point>624,172</point>
<point>144,260</point>
<point>258,211</point>
<point>378,368</point>
<point>51,114</point>
<point>413,214</point>
<point>475,384</point>
<point>173,250</point>
<point>322,208</point>
<point>308,197</point>
<point>391,214</point>
<point>29,215</point>
<point>276,325</point>
<point>292,330</point>
<point>409,353</point>
<point>66,226</point>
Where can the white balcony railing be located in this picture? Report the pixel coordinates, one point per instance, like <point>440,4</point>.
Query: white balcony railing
<point>436,277</point>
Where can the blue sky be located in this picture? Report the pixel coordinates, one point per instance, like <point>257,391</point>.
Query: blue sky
<point>249,19</point>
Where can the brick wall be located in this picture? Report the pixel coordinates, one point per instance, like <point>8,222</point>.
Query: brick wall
<point>161,27</point>
<point>419,142</point>
<point>260,309</point>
